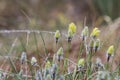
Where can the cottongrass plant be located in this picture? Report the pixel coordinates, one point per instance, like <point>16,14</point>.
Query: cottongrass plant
<point>57,67</point>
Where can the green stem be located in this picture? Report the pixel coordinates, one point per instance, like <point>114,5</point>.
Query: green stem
<point>46,52</point>
<point>80,51</point>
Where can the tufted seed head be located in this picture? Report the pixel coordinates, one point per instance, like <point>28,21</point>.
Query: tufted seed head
<point>96,45</point>
<point>85,31</point>
<point>110,50</point>
<point>95,33</point>
<point>57,34</point>
<point>81,62</point>
<point>72,27</point>
<point>33,61</point>
<point>60,54</point>
<point>23,57</point>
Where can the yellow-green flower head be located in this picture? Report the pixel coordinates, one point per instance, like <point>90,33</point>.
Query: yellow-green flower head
<point>48,64</point>
<point>60,51</point>
<point>81,62</point>
<point>97,43</point>
<point>57,34</point>
<point>110,50</point>
<point>33,61</point>
<point>95,32</point>
<point>72,27</point>
<point>85,31</point>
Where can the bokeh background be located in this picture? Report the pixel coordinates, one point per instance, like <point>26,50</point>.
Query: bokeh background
<point>52,14</point>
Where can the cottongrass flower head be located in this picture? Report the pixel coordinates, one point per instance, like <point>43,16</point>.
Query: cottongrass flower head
<point>72,27</point>
<point>95,33</point>
<point>34,61</point>
<point>99,64</point>
<point>57,35</point>
<point>110,52</point>
<point>47,69</point>
<point>91,45</point>
<point>60,54</point>
<point>96,45</point>
<point>85,33</point>
<point>71,31</point>
<point>81,63</point>
<point>70,35</point>
<point>23,57</point>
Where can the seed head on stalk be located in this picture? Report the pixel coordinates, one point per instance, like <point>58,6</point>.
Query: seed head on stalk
<point>95,33</point>
<point>71,31</point>
<point>57,35</point>
<point>85,33</point>
<point>110,52</point>
<point>34,61</point>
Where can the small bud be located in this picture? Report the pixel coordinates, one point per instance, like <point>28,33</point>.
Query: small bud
<point>81,63</point>
<point>57,35</point>
<point>34,61</point>
<point>110,50</point>
<point>99,64</point>
<point>23,58</point>
<point>60,54</point>
<point>95,33</point>
<point>96,45</point>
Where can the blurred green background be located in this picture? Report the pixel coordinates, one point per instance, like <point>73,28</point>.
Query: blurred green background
<point>52,14</point>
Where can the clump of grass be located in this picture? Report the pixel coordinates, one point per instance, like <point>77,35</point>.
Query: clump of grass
<point>57,66</point>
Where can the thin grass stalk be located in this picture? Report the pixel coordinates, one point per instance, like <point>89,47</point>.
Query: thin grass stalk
<point>89,57</point>
<point>22,44</point>
<point>36,43</point>
<point>9,53</point>
<point>26,64</point>
<point>81,50</point>
<point>31,71</point>
<point>67,56</point>
<point>46,52</point>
